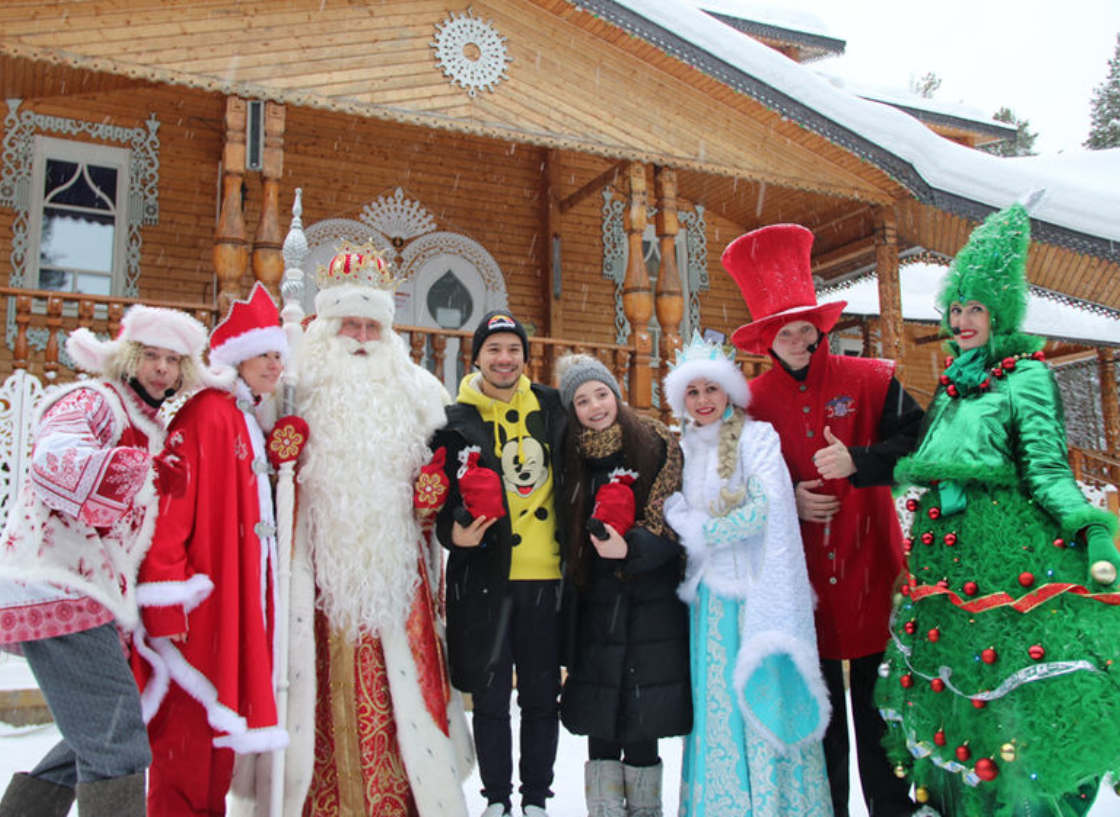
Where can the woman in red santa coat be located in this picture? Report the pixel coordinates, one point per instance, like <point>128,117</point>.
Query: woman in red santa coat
<point>207,584</point>
<point>843,422</point>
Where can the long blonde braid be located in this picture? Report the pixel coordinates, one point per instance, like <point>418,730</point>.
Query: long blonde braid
<point>728,458</point>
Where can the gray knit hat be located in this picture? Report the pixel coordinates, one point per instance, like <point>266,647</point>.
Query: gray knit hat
<point>575,370</point>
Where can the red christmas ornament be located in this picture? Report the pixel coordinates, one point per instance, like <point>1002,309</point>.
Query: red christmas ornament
<point>944,380</point>
<point>906,681</point>
<point>1008,364</point>
<point>985,384</point>
<point>1026,579</point>
<point>911,505</point>
<point>951,390</point>
<point>905,590</point>
<point>998,372</point>
<point>989,655</point>
<point>934,634</point>
<point>986,769</point>
<point>939,737</point>
<point>937,685</point>
<point>971,588</point>
<point>963,752</point>
<point>979,703</point>
<point>1039,355</point>
<point>907,546</point>
<point>927,537</point>
<point>950,539</point>
<point>943,584</point>
<point>910,627</point>
<point>1036,652</point>
<point>934,512</point>
<point>1059,542</point>
<point>948,362</point>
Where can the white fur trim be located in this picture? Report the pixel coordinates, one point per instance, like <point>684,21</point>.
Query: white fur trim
<point>720,370</point>
<point>250,344</point>
<point>354,301</point>
<point>88,351</point>
<point>464,455</point>
<point>251,741</point>
<point>430,757</point>
<point>187,594</point>
<point>761,646</point>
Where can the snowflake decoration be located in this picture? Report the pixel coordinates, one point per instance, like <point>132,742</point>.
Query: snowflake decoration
<point>471,52</point>
<point>397,218</point>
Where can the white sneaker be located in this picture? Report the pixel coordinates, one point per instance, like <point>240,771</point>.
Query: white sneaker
<point>496,810</point>
<point>534,811</point>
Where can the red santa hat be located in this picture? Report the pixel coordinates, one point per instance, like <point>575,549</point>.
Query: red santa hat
<point>251,328</point>
<point>356,285</point>
<point>148,326</point>
<point>772,268</point>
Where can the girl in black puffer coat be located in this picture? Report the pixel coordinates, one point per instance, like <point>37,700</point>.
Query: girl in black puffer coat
<point>627,631</point>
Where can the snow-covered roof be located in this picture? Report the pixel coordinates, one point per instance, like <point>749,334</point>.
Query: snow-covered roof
<point>1048,315</point>
<point>951,113</point>
<point>795,26</point>
<point>1082,206</point>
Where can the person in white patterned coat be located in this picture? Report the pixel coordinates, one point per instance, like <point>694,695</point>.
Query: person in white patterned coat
<point>760,703</point>
<point>70,551</point>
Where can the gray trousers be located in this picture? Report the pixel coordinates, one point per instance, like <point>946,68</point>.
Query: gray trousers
<point>95,703</point>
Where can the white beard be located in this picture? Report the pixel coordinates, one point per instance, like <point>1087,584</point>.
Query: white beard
<point>370,417</point>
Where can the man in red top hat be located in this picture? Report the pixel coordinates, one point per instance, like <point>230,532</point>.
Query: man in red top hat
<point>843,423</point>
<point>207,584</point>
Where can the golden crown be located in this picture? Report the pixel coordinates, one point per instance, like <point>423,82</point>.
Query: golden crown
<point>362,265</point>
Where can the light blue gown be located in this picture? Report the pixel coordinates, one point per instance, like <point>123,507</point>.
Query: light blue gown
<point>728,771</point>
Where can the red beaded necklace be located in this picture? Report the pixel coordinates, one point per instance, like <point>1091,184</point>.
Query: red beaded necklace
<point>998,371</point>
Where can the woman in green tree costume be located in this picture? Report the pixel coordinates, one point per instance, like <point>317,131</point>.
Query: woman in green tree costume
<point>1001,685</point>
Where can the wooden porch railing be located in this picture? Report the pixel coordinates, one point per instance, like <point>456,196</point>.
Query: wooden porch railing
<point>1097,468</point>
<point>55,312</point>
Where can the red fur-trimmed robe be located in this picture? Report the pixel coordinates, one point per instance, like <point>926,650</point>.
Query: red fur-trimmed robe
<point>209,573</point>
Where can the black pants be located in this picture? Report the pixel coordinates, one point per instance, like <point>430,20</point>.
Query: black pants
<point>532,645</point>
<point>638,753</point>
<point>885,794</point>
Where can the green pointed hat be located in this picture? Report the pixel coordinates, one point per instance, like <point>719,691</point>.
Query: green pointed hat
<point>992,268</point>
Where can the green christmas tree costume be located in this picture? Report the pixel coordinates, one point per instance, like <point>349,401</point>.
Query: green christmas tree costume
<point>1001,685</point>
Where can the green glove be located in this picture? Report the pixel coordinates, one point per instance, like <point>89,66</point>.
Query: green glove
<point>1102,552</point>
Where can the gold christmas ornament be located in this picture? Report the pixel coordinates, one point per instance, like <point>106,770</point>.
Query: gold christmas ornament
<point>1008,752</point>
<point>899,771</point>
<point>921,794</point>
<point>1103,572</point>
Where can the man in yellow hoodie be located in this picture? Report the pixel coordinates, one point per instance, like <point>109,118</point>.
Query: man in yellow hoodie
<point>502,440</point>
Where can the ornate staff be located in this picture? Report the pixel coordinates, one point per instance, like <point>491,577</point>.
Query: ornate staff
<point>285,442</point>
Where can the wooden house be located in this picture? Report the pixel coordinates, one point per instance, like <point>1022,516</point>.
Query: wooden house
<point>584,163</point>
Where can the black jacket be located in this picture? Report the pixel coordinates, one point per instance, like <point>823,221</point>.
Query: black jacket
<point>478,606</point>
<point>627,650</point>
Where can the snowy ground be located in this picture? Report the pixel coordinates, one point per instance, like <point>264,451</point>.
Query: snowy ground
<point>20,748</point>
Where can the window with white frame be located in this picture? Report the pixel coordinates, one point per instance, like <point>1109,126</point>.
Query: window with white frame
<point>79,216</point>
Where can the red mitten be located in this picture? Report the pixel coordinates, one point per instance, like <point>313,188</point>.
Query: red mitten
<point>614,502</point>
<point>286,439</point>
<point>429,493</point>
<point>481,488</point>
<point>171,474</point>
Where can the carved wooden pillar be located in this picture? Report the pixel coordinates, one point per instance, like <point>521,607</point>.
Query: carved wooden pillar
<point>554,245</point>
<point>1110,404</point>
<point>637,299</point>
<point>890,298</point>
<point>670,299</point>
<point>268,258</point>
<point>231,251</point>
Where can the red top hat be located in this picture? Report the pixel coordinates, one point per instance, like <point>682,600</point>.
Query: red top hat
<point>772,268</point>
<point>251,328</point>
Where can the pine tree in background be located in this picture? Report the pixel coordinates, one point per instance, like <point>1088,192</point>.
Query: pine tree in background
<point>1104,130</point>
<point>927,86</point>
<point>1021,145</point>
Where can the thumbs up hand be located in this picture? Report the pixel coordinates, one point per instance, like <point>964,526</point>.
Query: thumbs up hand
<point>833,461</point>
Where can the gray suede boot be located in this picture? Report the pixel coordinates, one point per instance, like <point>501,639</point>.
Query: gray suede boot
<point>604,788</point>
<point>643,790</point>
<point>29,796</point>
<point>115,797</point>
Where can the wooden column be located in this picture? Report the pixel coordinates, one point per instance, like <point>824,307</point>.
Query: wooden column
<point>268,258</point>
<point>890,297</point>
<point>1110,405</point>
<point>637,299</point>
<point>553,245</point>
<point>231,250</point>
<point>670,298</point>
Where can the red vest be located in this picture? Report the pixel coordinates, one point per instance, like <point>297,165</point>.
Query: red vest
<point>855,559</point>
